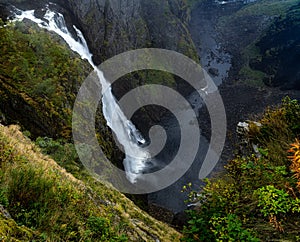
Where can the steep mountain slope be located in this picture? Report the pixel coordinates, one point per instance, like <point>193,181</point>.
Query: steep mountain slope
<point>280,51</point>
<point>41,195</point>
<point>39,80</point>
<point>248,32</point>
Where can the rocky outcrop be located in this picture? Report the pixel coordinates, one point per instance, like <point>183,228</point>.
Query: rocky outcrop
<point>4,212</point>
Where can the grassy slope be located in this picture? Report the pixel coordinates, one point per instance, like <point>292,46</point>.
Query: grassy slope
<point>58,207</point>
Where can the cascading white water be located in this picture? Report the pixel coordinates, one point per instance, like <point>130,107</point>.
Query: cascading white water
<point>125,131</point>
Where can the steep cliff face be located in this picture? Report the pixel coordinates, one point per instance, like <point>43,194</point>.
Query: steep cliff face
<point>113,26</point>
<point>280,50</point>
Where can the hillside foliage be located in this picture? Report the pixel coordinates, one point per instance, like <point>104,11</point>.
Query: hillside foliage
<point>258,197</point>
<point>42,76</point>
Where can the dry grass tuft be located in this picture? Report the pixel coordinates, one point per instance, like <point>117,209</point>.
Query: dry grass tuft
<point>295,159</point>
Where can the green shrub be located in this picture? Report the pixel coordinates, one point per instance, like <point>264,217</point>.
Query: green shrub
<point>62,152</point>
<point>276,202</point>
<point>198,228</point>
<point>100,229</point>
<point>273,201</point>
<point>216,227</point>
<point>292,114</point>
<point>230,228</point>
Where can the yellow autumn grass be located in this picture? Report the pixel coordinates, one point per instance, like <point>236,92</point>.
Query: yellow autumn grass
<point>295,158</point>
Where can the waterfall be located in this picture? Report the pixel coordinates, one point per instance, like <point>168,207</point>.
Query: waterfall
<point>127,134</point>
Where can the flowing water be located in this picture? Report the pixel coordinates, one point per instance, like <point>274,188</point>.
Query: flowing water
<point>137,160</point>
<point>128,136</point>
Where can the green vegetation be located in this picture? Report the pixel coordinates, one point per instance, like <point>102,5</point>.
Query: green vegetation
<point>44,198</point>
<point>11,231</point>
<point>266,8</point>
<point>278,49</point>
<point>42,75</point>
<point>48,204</point>
<point>252,77</point>
<point>246,73</point>
<point>62,152</point>
<point>258,198</point>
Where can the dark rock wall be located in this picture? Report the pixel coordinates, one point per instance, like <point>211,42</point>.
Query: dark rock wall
<point>280,49</point>
<point>113,26</point>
